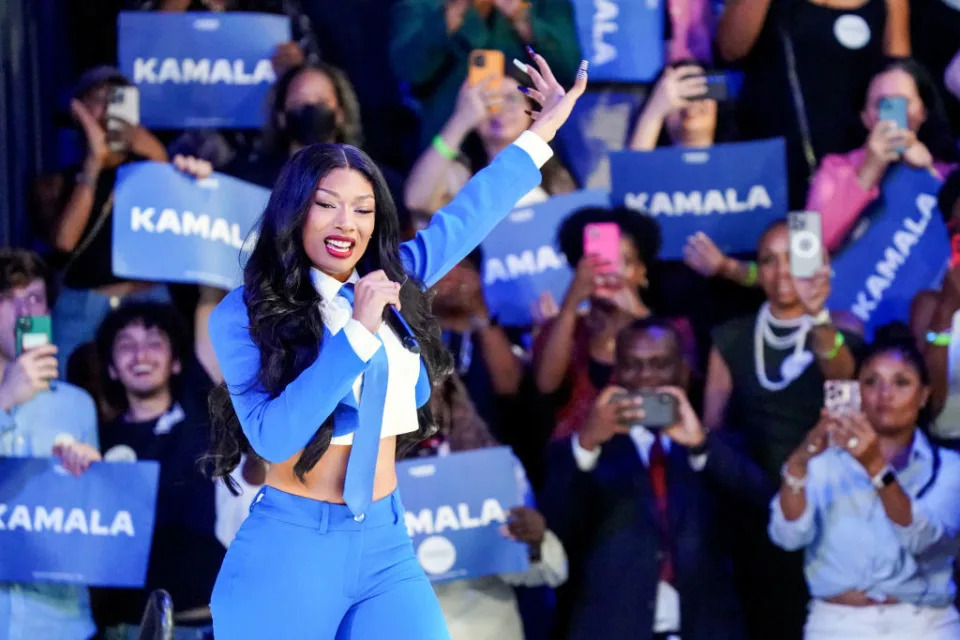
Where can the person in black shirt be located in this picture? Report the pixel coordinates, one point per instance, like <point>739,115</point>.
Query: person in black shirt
<point>162,417</point>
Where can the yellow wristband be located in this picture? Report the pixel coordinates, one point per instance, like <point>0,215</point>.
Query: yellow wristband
<point>752,273</point>
<point>444,149</point>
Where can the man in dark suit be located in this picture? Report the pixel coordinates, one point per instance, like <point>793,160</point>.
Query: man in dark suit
<point>636,508</point>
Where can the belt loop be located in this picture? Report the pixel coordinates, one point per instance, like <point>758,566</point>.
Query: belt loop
<point>324,517</point>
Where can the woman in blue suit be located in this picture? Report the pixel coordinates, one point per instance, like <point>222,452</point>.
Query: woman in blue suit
<point>325,391</point>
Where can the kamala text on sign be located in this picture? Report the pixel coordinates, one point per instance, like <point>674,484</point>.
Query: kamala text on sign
<point>95,529</point>
<point>622,39</point>
<point>900,248</point>
<point>202,229</point>
<point>731,192</point>
<point>200,69</point>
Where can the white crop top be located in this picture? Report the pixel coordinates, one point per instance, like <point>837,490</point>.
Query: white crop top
<point>400,407</point>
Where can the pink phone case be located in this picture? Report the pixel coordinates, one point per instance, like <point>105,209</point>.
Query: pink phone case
<point>603,239</point>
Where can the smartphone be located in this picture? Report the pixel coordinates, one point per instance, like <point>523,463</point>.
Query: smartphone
<point>33,332</point>
<point>603,239</point>
<point>486,63</point>
<point>894,109</point>
<point>716,86</point>
<point>660,409</point>
<point>806,243</point>
<point>123,112</point>
<point>841,396</point>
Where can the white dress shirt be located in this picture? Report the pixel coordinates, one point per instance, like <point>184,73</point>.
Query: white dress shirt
<point>400,406</point>
<point>666,616</point>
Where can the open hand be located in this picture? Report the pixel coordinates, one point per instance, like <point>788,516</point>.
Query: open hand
<point>555,103</point>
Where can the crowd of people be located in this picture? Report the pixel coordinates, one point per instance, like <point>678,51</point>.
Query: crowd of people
<point>757,513</point>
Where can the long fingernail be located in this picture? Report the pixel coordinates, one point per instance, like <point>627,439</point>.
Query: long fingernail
<point>582,71</point>
<point>520,65</point>
<point>530,52</point>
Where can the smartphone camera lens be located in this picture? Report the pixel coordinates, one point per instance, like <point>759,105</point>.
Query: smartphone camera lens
<point>479,60</point>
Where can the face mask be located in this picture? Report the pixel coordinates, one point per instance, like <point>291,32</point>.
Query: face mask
<point>311,123</point>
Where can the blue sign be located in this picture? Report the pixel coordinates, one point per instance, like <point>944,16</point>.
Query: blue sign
<point>521,259</point>
<point>167,226</point>
<point>600,123</point>
<point>93,530</point>
<point>731,192</point>
<point>199,69</point>
<point>901,248</point>
<point>622,39</point>
<point>455,508</point>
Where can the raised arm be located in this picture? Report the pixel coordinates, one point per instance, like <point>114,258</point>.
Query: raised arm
<point>492,193</point>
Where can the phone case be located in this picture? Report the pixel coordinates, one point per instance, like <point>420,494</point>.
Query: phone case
<point>841,396</point>
<point>659,410</point>
<point>33,332</point>
<point>894,109</point>
<point>486,63</point>
<point>955,250</point>
<point>806,243</point>
<point>603,239</point>
<point>716,87</point>
<point>124,105</point>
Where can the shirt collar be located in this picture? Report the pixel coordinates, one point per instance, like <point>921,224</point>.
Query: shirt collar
<point>644,437</point>
<point>326,285</point>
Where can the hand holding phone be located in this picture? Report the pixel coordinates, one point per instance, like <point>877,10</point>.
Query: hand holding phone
<point>487,66</point>
<point>894,109</point>
<point>123,113</point>
<point>806,243</point>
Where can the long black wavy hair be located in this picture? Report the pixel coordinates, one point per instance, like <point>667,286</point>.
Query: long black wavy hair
<point>283,305</point>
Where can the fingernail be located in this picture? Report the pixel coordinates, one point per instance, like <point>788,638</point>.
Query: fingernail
<point>520,65</point>
<point>523,90</point>
<point>582,71</point>
<point>530,51</point>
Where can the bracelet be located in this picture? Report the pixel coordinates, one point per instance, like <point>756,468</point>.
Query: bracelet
<point>443,148</point>
<point>838,342</point>
<point>795,484</point>
<point>939,339</point>
<point>886,477</point>
<point>753,271</point>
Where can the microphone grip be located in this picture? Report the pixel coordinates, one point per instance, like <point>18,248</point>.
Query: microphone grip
<point>402,329</point>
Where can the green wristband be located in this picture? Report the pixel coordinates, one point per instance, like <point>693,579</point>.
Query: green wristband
<point>838,342</point>
<point>939,339</point>
<point>752,272</point>
<point>444,149</point>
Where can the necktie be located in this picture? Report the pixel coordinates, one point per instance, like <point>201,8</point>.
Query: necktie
<point>362,464</point>
<point>658,479</point>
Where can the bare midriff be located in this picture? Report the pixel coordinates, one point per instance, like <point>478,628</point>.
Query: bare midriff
<point>325,481</point>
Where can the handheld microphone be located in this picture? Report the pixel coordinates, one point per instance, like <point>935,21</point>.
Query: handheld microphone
<point>402,329</point>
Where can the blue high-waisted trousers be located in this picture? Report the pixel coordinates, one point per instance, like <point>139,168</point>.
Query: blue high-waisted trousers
<point>305,569</point>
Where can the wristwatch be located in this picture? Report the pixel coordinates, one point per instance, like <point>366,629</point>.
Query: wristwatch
<point>886,477</point>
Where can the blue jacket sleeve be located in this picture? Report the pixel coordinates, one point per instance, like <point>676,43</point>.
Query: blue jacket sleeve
<point>280,426</point>
<point>458,228</point>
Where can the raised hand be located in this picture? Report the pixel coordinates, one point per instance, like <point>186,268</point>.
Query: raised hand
<point>702,255</point>
<point>555,103</point>
<point>97,149</point>
<point>814,291</point>
<point>28,375</point>
<point>677,87</point>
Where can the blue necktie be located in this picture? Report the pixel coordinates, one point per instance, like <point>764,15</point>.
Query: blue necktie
<point>362,465</point>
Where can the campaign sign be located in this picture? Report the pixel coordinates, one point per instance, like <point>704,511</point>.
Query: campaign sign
<point>170,227</point>
<point>731,192</point>
<point>93,530</point>
<point>521,259</point>
<point>455,508</point>
<point>901,248</point>
<point>622,39</point>
<point>197,69</point>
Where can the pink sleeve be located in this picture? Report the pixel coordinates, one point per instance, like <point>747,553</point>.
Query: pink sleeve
<point>837,194</point>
